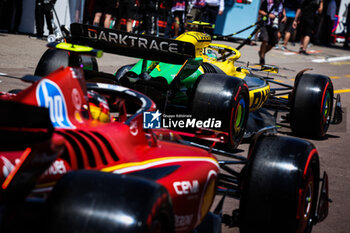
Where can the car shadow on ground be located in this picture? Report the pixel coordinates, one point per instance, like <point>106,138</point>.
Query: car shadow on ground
<point>327,136</point>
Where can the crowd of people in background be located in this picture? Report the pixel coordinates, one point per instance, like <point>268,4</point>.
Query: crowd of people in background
<point>286,20</point>
<point>304,21</point>
<point>11,10</point>
<point>174,13</point>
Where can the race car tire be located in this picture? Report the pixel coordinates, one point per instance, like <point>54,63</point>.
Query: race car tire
<point>120,75</point>
<point>224,98</point>
<point>92,76</point>
<point>279,186</point>
<point>52,59</point>
<point>15,91</point>
<point>93,201</point>
<point>311,105</point>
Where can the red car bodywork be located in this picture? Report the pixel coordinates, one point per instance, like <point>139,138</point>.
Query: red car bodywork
<point>189,174</point>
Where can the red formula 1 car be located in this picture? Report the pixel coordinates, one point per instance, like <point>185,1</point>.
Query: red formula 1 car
<point>73,160</point>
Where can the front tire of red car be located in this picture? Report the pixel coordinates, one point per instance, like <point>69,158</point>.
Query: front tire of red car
<point>280,186</point>
<point>93,201</point>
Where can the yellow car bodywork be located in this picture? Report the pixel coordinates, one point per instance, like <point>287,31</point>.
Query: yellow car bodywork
<point>202,42</point>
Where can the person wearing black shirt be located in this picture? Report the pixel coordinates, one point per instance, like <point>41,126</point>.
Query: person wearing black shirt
<point>148,9</point>
<point>43,8</point>
<point>107,8</point>
<point>127,9</point>
<point>307,12</point>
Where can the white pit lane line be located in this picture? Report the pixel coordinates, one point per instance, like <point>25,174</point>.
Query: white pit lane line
<point>289,53</point>
<point>2,74</point>
<point>331,59</point>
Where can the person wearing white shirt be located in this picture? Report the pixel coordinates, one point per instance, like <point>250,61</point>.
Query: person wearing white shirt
<point>211,10</point>
<point>196,9</point>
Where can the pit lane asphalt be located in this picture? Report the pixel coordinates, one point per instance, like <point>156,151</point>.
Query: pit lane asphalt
<point>20,54</point>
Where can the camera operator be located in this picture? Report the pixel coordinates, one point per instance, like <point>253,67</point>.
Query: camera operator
<point>272,12</point>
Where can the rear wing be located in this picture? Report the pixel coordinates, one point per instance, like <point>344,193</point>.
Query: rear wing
<point>34,161</point>
<point>132,45</point>
<point>23,125</point>
<point>26,128</point>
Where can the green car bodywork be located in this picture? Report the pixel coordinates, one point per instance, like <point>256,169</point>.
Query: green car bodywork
<point>186,75</point>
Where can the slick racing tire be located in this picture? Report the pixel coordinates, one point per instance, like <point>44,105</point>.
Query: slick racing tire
<point>15,91</point>
<point>311,105</point>
<point>93,201</point>
<point>53,59</point>
<point>280,186</point>
<point>121,77</point>
<point>225,98</point>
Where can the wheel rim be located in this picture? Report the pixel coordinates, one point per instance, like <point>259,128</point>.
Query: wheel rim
<point>326,108</point>
<point>239,116</point>
<point>308,200</point>
<point>307,204</point>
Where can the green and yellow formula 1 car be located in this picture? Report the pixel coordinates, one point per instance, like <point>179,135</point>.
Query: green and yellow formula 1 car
<point>195,78</point>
